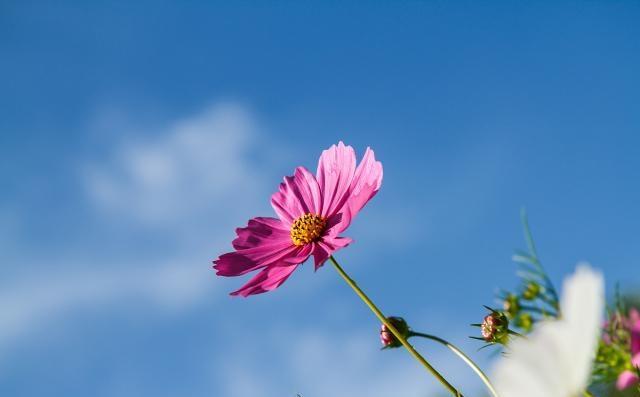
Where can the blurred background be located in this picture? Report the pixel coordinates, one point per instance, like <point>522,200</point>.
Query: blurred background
<point>134,138</point>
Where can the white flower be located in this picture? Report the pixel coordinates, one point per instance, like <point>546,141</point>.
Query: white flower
<point>556,359</point>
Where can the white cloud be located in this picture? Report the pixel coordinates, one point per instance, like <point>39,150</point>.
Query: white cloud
<point>193,166</point>
<point>316,363</point>
<point>28,304</point>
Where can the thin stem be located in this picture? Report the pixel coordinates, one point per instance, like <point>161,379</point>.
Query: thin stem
<point>462,356</point>
<point>393,330</point>
<point>587,393</point>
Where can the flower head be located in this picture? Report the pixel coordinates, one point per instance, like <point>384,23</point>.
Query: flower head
<point>629,377</point>
<point>556,359</point>
<point>312,213</point>
<point>495,327</point>
<point>632,323</point>
<point>387,337</point>
<point>633,320</point>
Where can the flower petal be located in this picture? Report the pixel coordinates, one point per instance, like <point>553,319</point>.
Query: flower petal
<point>364,185</point>
<point>325,248</point>
<point>626,379</point>
<point>634,320</point>
<point>241,262</point>
<point>635,343</point>
<point>366,182</point>
<point>309,190</point>
<point>267,280</point>
<point>298,195</point>
<point>260,231</point>
<point>336,168</point>
<point>556,359</point>
<point>262,242</point>
<point>300,255</point>
<point>582,305</point>
<point>338,223</point>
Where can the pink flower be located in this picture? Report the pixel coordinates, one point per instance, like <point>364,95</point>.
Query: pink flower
<point>630,378</point>
<point>633,324</point>
<point>634,320</point>
<point>635,348</point>
<point>312,213</point>
<point>626,379</point>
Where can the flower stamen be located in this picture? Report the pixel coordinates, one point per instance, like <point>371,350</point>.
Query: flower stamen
<point>307,229</point>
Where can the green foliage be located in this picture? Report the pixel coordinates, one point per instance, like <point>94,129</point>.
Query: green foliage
<point>614,352</point>
<point>535,298</point>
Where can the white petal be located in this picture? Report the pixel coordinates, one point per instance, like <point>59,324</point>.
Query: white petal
<point>582,306</point>
<point>555,360</point>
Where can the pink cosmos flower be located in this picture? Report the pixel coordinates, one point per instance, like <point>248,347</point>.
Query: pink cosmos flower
<point>634,327</point>
<point>312,213</point>
<point>626,379</point>
<point>629,378</point>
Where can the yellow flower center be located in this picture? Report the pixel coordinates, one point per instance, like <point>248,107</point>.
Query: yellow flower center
<point>307,229</point>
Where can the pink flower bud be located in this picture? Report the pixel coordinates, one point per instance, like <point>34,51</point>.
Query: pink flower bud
<point>495,327</point>
<point>387,337</point>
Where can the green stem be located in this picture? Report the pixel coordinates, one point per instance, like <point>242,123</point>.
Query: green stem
<point>393,330</point>
<point>587,393</point>
<point>462,356</point>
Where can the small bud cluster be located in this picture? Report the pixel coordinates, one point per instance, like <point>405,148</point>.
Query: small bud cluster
<point>535,299</point>
<point>532,304</point>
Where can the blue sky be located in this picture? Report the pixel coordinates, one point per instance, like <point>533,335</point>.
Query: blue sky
<point>136,137</point>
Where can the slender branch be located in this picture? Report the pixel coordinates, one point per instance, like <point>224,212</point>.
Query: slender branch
<point>393,330</point>
<point>462,356</point>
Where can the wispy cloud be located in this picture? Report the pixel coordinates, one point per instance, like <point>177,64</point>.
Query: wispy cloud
<point>194,168</point>
<point>28,304</point>
<point>319,362</point>
<point>197,164</point>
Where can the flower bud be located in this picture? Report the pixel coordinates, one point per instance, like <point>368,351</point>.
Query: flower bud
<point>387,337</point>
<point>495,327</point>
<point>524,321</point>
<point>531,291</point>
<point>511,305</point>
